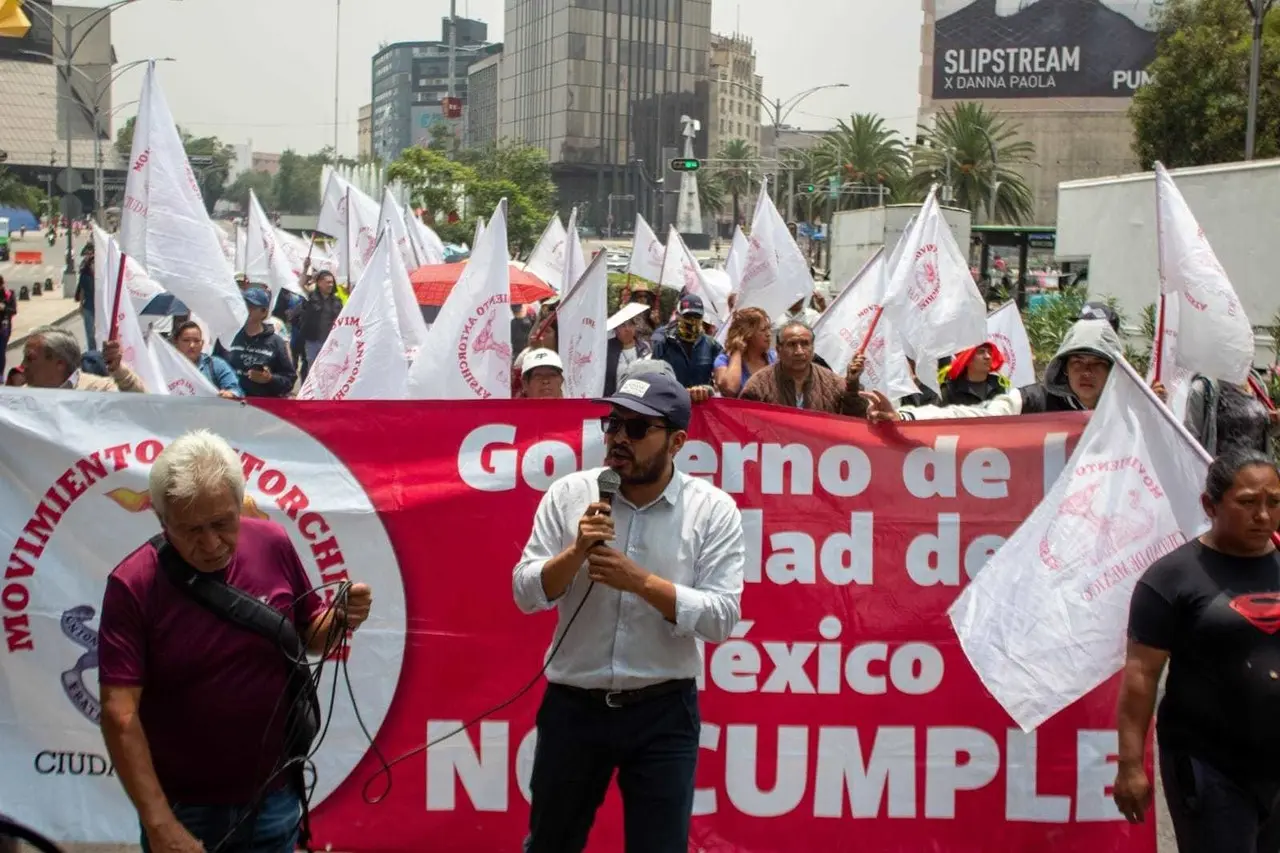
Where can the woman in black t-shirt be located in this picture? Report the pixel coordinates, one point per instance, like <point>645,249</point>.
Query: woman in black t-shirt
<point>1211,610</point>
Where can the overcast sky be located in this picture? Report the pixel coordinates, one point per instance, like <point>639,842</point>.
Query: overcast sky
<point>263,70</point>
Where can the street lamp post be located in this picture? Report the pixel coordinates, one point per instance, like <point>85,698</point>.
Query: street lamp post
<point>780,110</point>
<point>70,47</point>
<point>1258,9</point>
<point>995,177</point>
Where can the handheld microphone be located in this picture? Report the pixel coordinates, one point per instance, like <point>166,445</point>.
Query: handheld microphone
<point>610,483</point>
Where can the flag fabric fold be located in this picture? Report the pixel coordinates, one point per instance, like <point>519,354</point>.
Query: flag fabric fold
<point>931,296</point>
<point>468,355</point>
<point>364,356</point>
<point>164,224</point>
<point>267,262</point>
<point>647,252</point>
<point>180,377</point>
<point>133,343</point>
<point>547,260</point>
<point>1045,620</point>
<point>582,320</point>
<point>1006,330</point>
<point>681,271</point>
<point>1215,337</point>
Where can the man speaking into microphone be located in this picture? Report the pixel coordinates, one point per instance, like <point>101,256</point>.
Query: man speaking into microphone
<point>636,580</point>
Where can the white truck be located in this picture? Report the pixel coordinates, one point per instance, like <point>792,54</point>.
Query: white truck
<point>1110,224</point>
<point>857,234</point>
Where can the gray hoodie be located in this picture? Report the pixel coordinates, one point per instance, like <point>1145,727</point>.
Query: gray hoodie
<point>1086,337</point>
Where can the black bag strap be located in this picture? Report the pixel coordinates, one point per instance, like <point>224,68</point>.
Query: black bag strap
<point>228,603</point>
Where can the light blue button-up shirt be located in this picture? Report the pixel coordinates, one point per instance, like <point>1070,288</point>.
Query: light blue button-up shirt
<point>691,535</point>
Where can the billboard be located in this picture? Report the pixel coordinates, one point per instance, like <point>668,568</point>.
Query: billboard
<point>423,119</point>
<point>987,49</point>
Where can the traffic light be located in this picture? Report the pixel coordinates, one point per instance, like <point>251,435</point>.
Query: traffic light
<point>686,165</point>
<point>809,188</point>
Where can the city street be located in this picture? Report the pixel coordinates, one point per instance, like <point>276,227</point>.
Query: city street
<point>48,307</point>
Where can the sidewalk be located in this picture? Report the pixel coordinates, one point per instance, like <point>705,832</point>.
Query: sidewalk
<point>42,310</point>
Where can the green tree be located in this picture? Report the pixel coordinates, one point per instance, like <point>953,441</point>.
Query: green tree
<point>867,157</point>
<point>262,183</point>
<point>711,193</point>
<point>738,172</point>
<point>960,144</point>
<point>297,182</point>
<point>1194,111</point>
<point>14,193</point>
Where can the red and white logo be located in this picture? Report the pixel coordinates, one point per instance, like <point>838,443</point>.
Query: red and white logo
<point>90,484</point>
<point>1114,509</point>
<point>579,361</point>
<point>366,242</point>
<point>182,388</point>
<point>1001,340</point>
<point>926,279</point>
<point>485,361</point>
<point>338,363</point>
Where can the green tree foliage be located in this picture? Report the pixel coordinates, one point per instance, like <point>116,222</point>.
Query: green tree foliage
<point>960,143</point>
<point>473,181</point>
<point>1194,112</point>
<point>866,156</point>
<point>738,172</point>
<point>710,193</point>
<point>262,183</point>
<point>14,193</point>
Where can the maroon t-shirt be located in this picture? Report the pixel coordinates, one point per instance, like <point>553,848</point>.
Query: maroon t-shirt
<point>210,689</point>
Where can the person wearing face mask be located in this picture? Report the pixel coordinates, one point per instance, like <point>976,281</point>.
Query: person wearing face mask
<point>689,350</point>
<point>1073,382</point>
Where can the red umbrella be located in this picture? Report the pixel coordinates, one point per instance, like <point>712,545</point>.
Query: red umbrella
<point>433,283</point>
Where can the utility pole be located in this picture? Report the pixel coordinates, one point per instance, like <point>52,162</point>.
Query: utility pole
<point>1258,9</point>
<point>337,77</point>
<point>453,44</point>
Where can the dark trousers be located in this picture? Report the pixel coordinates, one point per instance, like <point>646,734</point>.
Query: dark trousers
<point>274,831</point>
<point>653,746</point>
<point>1212,813</point>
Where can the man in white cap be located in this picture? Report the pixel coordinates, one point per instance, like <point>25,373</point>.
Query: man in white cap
<point>542,375</point>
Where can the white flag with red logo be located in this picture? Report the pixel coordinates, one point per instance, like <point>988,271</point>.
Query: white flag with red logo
<point>736,261</point>
<point>180,377</point>
<point>140,286</point>
<point>351,218</point>
<point>647,252</point>
<point>546,261</point>
<point>583,315</point>
<point>1006,331</point>
<point>429,246</point>
<point>468,351</point>
<point>1215,337</point>
<point>776,275</point>
<point>842,328</point>
<point>164,224</point>
<point>1045,620</point>
<point>133,343</point>
<point>681,271</point>
<point>391,220</point>
<point>267,262</point>
<point>931,296</point>
<point>364,356</point>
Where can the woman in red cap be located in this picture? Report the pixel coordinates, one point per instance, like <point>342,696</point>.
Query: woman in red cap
<point>972,376</point>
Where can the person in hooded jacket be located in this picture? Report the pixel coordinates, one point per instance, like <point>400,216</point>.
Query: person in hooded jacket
<point>1073,381</point>
<point>972,378</point>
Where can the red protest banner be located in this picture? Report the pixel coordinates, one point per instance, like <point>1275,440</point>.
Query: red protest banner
<point>845,694</point>
<point>842,716</point>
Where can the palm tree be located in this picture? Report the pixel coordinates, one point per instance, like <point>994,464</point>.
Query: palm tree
<point>737,172</point>
<point>866,156</point>
<point>960,144</point>
<point>14,193</point>
<point>710,193</point>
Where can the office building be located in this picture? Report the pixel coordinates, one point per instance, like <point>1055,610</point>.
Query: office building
<point>411,83</point>
<point>736,90</point>
<point>34,100</point>
<point>484,101</point>
<point>364,133</point>
<point>1071,100</point>
<point>602,87</point>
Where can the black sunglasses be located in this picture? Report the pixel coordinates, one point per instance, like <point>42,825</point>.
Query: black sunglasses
<point>634,428</point>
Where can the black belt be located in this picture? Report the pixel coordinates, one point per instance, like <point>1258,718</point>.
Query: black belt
<point>625,698</point>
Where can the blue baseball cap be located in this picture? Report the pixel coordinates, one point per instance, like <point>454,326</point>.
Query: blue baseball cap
<point>257,297</point>
<point>657,395</point>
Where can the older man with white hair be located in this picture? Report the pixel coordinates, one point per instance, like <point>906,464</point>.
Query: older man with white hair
<point>51,359</point>
<point>192,701</point>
